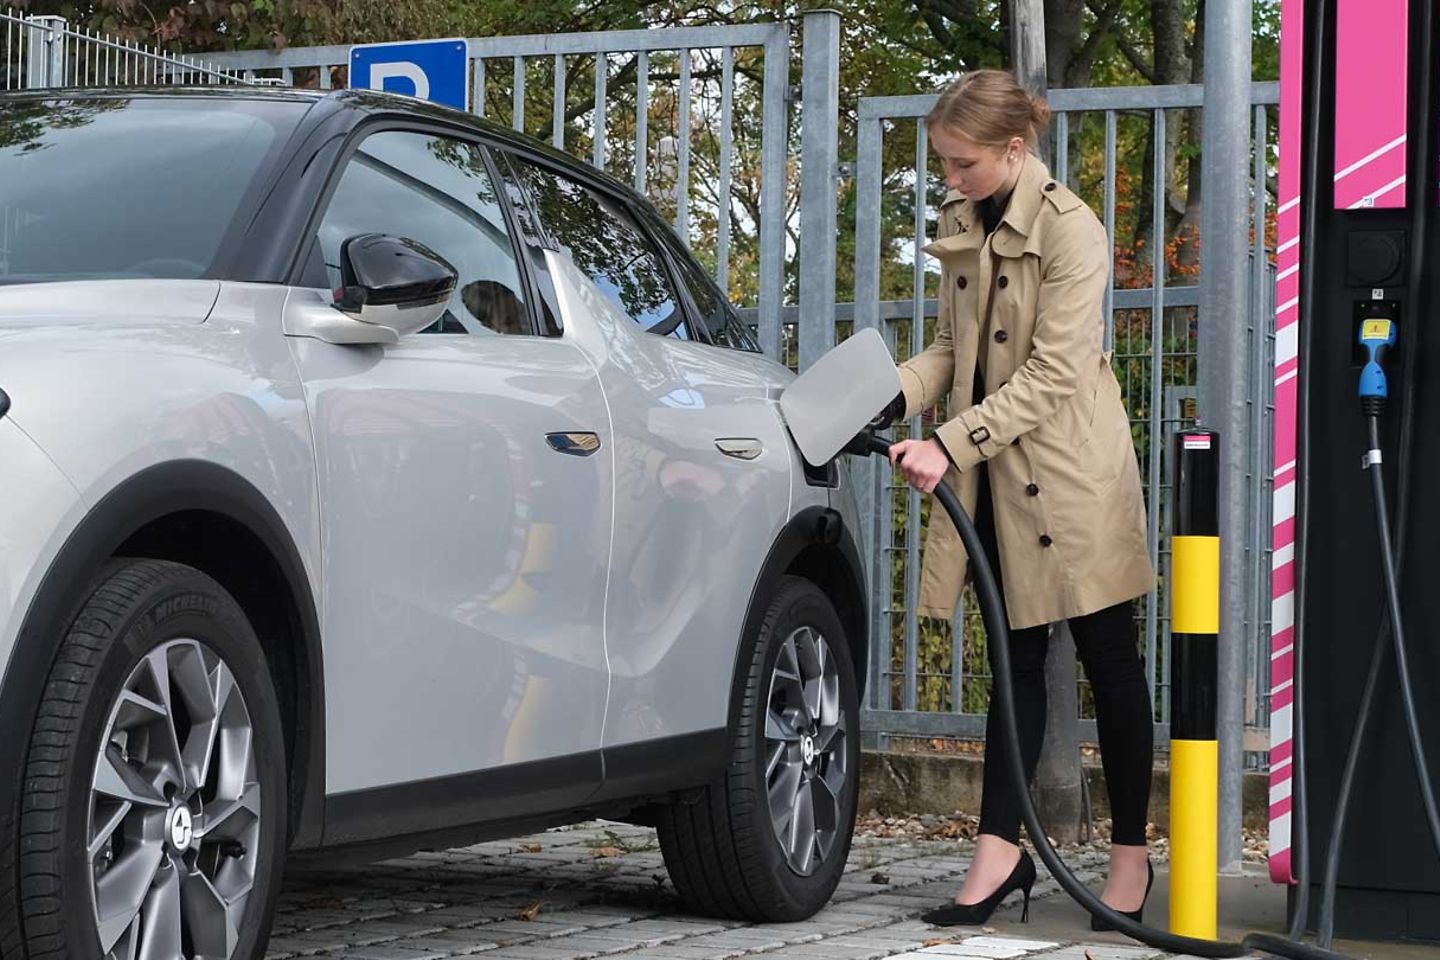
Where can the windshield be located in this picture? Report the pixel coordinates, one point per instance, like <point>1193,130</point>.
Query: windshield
<point>145,187</point>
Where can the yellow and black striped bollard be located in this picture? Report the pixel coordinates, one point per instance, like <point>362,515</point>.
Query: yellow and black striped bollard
<point>1195,628</point>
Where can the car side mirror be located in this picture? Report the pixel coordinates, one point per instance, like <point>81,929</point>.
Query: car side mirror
<point>393,282</point>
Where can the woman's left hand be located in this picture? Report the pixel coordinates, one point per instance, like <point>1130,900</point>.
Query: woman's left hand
<point>922,462</point>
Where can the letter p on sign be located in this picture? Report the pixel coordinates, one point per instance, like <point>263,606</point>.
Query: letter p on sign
<point>434,70</point>
<point>400,70</point>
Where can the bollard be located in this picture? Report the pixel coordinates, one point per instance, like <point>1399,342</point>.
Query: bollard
<point>1195,626</point>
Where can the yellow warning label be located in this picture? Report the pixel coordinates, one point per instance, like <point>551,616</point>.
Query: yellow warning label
<point>1375,330</point>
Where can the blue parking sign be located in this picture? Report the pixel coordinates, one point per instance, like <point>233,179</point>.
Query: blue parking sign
<point>434,70</point>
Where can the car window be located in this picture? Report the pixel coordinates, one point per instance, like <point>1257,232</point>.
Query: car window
<point>117,188</point>
<point>724,327</point>
<point>600,238</point>
<point>436,191</point>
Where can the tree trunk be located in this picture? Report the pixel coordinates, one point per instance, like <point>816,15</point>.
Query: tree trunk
<point>1188,229</point>
<point>1057,778</point>
<point>1172,65</point>
<point>1064,36</point>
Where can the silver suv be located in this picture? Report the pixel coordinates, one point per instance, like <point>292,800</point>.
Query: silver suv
<point>375,478</point>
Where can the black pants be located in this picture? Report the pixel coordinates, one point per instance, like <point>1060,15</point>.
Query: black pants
<point>1105,643</point>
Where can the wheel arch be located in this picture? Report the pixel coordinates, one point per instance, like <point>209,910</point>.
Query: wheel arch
<point>818,546</point>
<point>211,518</point>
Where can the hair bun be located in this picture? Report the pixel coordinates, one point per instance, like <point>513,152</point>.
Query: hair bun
<point>1040,112</point>
<point>991,108</point>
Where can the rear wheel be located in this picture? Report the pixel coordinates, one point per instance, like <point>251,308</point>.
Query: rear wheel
<point>768,840</point>
<point>154,804</point>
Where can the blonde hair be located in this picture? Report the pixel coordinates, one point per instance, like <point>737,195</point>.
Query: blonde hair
<point>991,108</point>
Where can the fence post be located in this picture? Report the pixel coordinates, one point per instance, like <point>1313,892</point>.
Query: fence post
<point>819,164</point>
<point>44,52</point>
<point>774,153</point>
<point>1224,264</point>
<point>1195,618</point>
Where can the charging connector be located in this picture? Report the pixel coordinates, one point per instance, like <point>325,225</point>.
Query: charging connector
<point>1377,339</point>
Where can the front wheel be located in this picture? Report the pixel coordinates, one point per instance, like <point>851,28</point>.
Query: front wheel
<point>767,841</point>
<point>154,804</point>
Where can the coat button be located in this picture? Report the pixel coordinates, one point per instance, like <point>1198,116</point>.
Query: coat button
<point>1045,540</point>
<point>1001,336</point>
<point>961,282</point>
<point>1033,490</point>
<point>1050,186</point>
<point>1004,281</point>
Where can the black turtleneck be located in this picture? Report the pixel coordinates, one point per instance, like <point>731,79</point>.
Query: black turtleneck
<point>992,210</point>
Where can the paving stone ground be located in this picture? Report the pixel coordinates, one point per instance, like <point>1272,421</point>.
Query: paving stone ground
<point>600,890</point>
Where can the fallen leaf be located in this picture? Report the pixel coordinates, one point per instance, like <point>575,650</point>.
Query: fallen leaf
<point>879,878</point>
<point>532,911</point>
<point>529,848</point>
<point>609,852</point>
<point>992,930</point>
<point>938,941</point>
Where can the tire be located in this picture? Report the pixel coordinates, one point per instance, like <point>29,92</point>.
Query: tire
<point>723,850</point>
<point>157,647</point>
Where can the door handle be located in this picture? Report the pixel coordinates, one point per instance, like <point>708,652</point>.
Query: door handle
<point>575,443</point>
<point>741,448</point>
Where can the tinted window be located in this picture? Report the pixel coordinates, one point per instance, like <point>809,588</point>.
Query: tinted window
<point>724,327</point>
<point>436,191</point>
<point>117,188</point>
<point>603,241</point>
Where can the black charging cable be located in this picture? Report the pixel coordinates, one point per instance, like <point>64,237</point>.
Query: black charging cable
<point>997,630</point>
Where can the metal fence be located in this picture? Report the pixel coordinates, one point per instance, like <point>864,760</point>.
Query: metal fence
<point>927,680</point>
<point>44,52</point>
<point>633,103</point>
<point>636,103</point>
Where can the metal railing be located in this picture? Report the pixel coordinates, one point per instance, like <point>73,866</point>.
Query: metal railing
<point>927,680</point>
<point>43,52</point>
<point>14,55</point>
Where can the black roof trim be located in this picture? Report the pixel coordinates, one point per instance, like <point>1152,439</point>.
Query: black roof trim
<point>372,104</point>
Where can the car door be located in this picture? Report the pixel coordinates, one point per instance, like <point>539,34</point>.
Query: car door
<point>703,470</point>
<point>465,483</point>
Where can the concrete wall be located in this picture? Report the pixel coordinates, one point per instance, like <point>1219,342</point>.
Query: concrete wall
<point>919,783</point>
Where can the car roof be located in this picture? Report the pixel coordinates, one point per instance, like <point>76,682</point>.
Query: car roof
<point>364,104</point>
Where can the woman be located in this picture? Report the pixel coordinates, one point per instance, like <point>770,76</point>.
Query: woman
<point>1039,450</point>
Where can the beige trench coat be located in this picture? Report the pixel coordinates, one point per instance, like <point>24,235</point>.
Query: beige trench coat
<point>1069,511</point>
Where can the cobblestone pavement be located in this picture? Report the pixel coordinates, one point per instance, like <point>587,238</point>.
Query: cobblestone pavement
<point>600,890</point>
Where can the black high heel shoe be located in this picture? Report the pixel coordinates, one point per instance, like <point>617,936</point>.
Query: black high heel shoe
<point>1097,924</point>
<point>1022,878</point>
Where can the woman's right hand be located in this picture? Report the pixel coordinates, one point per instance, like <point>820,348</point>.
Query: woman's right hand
<point>922,462</point>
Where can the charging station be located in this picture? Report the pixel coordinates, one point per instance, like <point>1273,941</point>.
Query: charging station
<point>1359,243</point>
